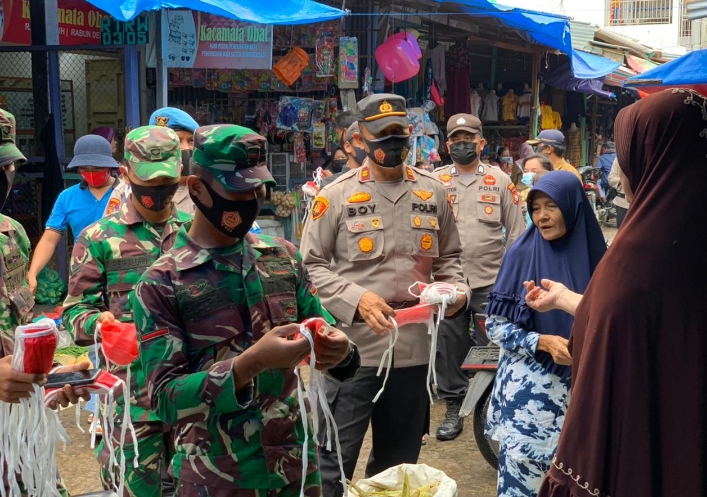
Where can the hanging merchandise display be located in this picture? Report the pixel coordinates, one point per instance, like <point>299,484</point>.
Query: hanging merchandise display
<point>458,96</point>
<point>490,114</point>
<point>324,54</point>
<point>300,149</point>
<point>295,114</point>
<point>319,135</point>
<point>290,67</point>
<point>509,105</point>
<point>399,57</point>
<point>547,117</point>
<point>574,145</point>
<point>525,103</point>
<point>348,62</point>
<point>477,103</point>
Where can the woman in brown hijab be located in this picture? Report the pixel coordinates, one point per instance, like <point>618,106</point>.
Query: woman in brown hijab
<point>637,421</point>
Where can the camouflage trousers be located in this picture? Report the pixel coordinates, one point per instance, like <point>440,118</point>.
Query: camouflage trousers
<point>150,478</point>
<point>312,488</point>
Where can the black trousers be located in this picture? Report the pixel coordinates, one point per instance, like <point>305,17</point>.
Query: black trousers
<point>398,421</point>
<point>620,216</point>
<point>453,344</point>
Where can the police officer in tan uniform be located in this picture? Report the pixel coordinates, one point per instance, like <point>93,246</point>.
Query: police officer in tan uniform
<point>372,234</point>
<point>484,201</point>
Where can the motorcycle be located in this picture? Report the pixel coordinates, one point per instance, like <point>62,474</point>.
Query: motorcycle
<point>482,361</point>
<point>603,208</point>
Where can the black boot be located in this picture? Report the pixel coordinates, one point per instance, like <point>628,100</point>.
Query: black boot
<point>453,424</point>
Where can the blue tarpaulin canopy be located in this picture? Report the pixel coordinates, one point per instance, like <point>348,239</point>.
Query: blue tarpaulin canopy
<point>688,71</point>
<point>258,11</point>
<point>589,66</point>
<point>548,30</point>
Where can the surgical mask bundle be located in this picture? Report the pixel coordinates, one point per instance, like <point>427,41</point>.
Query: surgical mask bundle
<point>432,295</point>
<point>119,347</point>
<point>316,394</point>
<point>310,190</point>
<point>29,431</point>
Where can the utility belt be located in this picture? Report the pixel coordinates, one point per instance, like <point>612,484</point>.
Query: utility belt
<point>396,306</point>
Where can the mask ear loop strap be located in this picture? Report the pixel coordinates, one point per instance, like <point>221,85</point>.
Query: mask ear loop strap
<point>387,357</point>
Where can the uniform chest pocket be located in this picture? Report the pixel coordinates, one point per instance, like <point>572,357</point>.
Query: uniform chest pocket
<point>279,288</point>
<point>488,208</point>
<point>425,239</point>
<point>365,238</point>
<point>22,303</point>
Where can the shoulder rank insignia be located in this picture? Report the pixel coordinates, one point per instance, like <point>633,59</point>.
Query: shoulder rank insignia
<point>410,174</point>
<point>365,174</point>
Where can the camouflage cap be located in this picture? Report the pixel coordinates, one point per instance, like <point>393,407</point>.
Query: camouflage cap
<point>9,152</point>
<point>153,152</point>
<point>234,155</point>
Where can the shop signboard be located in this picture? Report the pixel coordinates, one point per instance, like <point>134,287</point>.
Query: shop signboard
<point>79,22</point>
<point>114,32</point>
<point>204,41</point>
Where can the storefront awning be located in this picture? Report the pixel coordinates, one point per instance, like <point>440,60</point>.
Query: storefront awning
<point>279,12</point>
<point>687,71</point>
<point>548,30</point>
<point>589,66</point>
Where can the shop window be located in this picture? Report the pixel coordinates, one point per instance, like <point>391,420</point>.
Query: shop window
<point>638,12</point>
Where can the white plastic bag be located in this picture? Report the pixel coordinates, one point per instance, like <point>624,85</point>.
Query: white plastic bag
<point>419,475</point>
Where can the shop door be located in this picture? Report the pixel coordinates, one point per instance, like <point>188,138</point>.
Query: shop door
<point>105,97</point>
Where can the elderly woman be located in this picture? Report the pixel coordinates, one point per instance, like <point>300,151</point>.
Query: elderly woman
<point>636,426</point>
<point>531,392</point>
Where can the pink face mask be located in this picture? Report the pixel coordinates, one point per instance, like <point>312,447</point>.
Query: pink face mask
<point>96,179</point>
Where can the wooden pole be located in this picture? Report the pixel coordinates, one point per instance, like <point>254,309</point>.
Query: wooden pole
<point>535,86</point>
<point>592,137</point>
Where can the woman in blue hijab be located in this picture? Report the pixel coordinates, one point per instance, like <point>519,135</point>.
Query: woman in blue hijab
<point>531,391</point>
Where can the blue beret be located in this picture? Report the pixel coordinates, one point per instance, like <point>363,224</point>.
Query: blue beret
<point>176,119</point>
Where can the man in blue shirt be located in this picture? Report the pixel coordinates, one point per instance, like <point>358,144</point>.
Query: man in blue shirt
<point>79,205</point>
<point>607,158</point>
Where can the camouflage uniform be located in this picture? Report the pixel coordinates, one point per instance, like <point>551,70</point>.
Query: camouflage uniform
<point>108,259</point>
<point>16,301</point>
<point>196,310</point>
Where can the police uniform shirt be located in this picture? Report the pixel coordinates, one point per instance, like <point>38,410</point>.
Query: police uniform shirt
<point>482,207</point>
<point>363,235</point>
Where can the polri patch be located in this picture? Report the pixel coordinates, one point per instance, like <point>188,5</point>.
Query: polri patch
<point>514,193</point>
<point>321,204</point>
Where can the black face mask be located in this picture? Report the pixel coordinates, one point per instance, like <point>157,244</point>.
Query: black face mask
<point>463,153</point>
<point>233,218</point>
<point>154,198</point>
<point>338,164</point>
<point>359,154</point>
<point>389,151</point>
<point>186,159</point>
<point>7,178</point>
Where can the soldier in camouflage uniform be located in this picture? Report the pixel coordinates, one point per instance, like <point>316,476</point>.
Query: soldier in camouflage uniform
<point>108,259</point>
<point>16,301</point>
<point>214,318</point>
